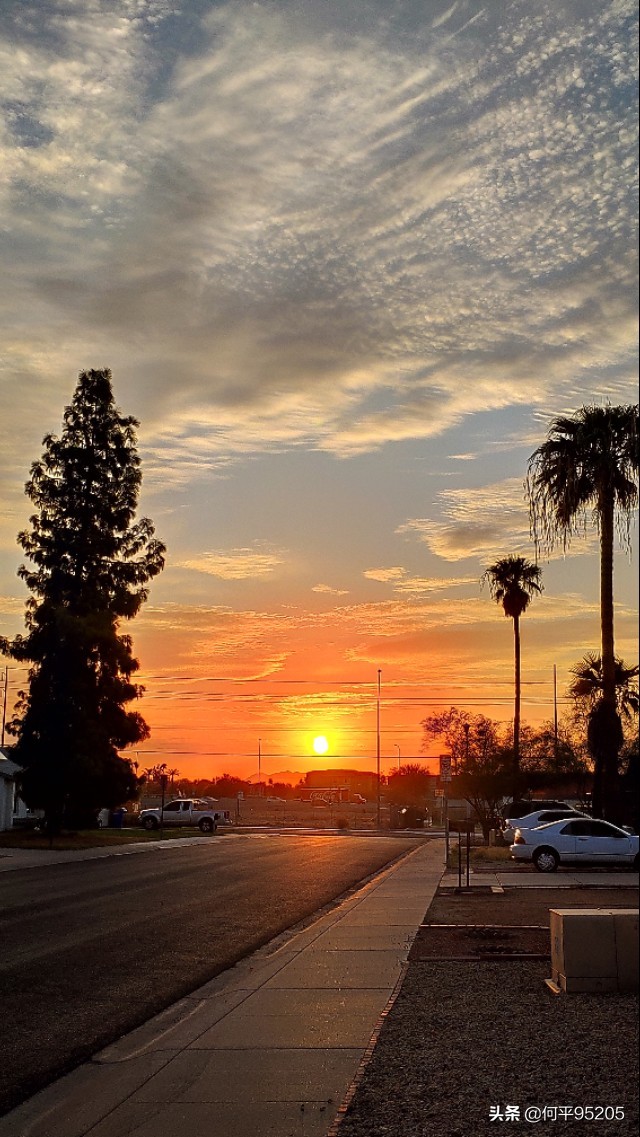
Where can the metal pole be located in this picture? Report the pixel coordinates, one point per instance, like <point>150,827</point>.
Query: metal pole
<point>468,854</point>
<point>398,749</point>
<point>163,784</point>
<point>459,856</point>
<point>555,713</point>
<point>378,752</point>
<point>4,702</point>
<point>259,765</point>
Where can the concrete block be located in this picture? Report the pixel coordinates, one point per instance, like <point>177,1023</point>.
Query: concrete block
<point>583,942</point>
<point>593,985</point>
<point>594,949</point>
<point>627,961</point>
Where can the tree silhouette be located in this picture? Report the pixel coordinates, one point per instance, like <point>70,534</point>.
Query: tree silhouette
<point>586,686</point>
<point>589,464</point>
<point>89,564</point>
<point>513,582</point>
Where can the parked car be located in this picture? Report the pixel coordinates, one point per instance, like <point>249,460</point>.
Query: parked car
<point>579,841</point>
<point>181,811</point>
<point>522,806</point>
<point>539,817</point>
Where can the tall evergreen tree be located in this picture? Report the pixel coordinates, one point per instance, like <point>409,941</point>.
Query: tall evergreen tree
<point>89,564</point>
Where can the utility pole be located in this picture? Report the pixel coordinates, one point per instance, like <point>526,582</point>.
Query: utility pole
<point>378,752</point>
<point>555,714</point>
<point>4,702</point>
<point>259,767</point>
<point>398,749</point>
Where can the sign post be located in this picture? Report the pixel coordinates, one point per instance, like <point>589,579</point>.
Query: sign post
<point>163,785</point>
<point>445,778</point>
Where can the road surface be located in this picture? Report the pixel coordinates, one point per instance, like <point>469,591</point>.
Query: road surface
<point>93,948</point>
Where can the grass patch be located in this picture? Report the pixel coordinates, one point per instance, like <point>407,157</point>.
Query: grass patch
<point>481,854</point>
<point>88,838</point>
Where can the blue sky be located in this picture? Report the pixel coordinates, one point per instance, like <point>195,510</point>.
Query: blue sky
<point>345,260</point>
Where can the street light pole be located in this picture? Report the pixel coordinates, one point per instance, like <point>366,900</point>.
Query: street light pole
<point>4,702</point>
<point>378,752</point>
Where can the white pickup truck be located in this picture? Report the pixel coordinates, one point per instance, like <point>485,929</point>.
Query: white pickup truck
<point>185,811</point>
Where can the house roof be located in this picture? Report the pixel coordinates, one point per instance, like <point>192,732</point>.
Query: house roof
<point>8,768</point>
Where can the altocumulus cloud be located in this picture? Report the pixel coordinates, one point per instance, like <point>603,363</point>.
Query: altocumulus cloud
<point>333,225</point>
<point>234,564</point>
<point>482,522</point>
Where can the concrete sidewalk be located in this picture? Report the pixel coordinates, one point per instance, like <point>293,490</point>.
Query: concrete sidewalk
<point>565,878</point>
<point>269,1048</point>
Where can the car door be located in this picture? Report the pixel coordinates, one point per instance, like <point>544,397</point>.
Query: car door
<point>601,843</point>
<point>561,838</point>
<point>184,816</point>
<point>171,813</point>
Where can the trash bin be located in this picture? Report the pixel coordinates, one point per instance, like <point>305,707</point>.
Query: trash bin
<point>117,817</point>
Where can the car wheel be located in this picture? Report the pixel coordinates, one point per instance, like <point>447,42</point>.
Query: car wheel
<point>207,825</point>
<point>546,860</point>
<point>150,823</point>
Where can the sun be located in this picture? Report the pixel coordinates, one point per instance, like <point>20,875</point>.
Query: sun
<point>320,744</point>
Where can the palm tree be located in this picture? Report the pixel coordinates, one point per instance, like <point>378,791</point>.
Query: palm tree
<point>513,582</point>
<point>586,687</point>
<point>589,463</point>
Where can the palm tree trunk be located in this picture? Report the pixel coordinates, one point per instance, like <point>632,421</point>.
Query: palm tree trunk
<point>605,510</point>
<point>516,712</point>
<point>607,777</point>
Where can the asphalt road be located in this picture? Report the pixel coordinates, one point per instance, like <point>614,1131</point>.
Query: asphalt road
<point>91,949</point>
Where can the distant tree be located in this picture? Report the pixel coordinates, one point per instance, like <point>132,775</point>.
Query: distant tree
<point>89,564</point>
<point>555,763</point>
<point>586,690</point>
<point>587,684</point>
<point>410,785</point>
<point>228,785</point>
<point>513,581</point>
<point>589,464</point>
<point>482,760</point>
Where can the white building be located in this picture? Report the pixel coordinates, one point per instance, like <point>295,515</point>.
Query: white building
<point>8,771</point>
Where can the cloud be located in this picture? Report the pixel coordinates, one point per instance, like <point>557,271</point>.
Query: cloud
<point>234,564</point>
<point>476,522</point>
<point>327,590</point>
<point>286,227</point>
<point>483,522</point>
<point>402,581</point>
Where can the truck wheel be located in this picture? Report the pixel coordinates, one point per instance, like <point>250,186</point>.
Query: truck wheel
<point>207,825</point>
<point>150,823</point>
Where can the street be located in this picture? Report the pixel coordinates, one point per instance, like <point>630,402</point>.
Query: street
<point>92,949</point>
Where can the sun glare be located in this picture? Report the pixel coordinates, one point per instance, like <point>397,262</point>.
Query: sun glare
<point>320,744</point>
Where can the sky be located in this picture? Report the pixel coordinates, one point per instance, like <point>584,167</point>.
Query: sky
<point>346,260</point>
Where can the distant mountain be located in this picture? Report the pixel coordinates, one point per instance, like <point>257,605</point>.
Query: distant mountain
<point>289,777</point>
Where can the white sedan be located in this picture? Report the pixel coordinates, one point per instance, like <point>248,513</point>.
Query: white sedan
<point>532,820</point>
<point>581,841</point>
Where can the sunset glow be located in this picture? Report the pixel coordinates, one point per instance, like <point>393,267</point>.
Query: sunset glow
<point>345,261</point>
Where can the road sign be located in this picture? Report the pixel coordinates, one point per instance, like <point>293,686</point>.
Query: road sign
<point>445,767</point>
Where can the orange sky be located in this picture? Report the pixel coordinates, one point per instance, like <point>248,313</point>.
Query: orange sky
<point>346,262</point>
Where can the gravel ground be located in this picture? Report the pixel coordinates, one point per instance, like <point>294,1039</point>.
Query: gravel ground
<point>464,1036</point>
